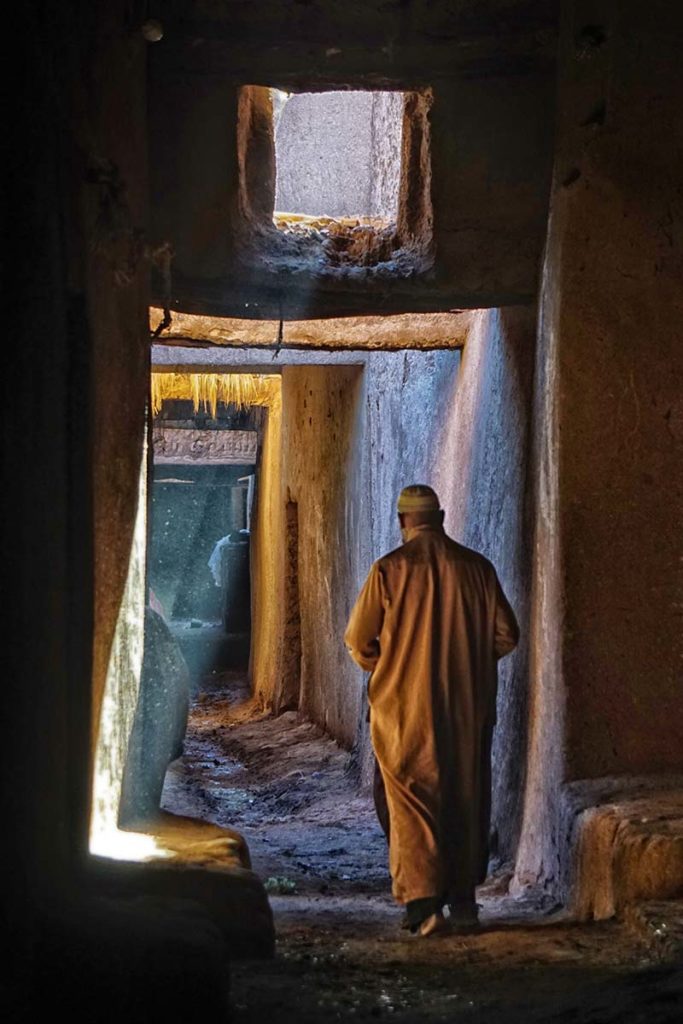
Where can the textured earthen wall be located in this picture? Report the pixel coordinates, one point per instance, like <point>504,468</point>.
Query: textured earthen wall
<point>609,422</point>
<point>78,187</point>
<point>415,214</point>
<point>406,395</point>
<point>255,156</point>
<point>268,566</point>
<point>480,473</point>
<point>36,533</point>
<point>339,154</point>
<point>352,437</point>
<point>77,184</point>
<point>502,173</point>
<point>117,283</point>
<point>322,472</point>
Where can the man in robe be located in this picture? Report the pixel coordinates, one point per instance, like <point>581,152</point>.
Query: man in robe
<point>430,624</point>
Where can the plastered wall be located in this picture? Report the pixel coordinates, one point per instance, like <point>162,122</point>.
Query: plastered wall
<point>267,566</point>
<point>480,472</point>
<point>77,181</point>
<point>606,680</point>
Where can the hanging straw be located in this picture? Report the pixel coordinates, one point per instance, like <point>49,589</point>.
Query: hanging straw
<point>208,389</point>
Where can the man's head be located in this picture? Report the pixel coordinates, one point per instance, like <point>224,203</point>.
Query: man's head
<point>418,505</point>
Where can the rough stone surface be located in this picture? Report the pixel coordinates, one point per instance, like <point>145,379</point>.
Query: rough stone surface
<point>625,843</point>
<point>338,154</point>
<point>420,330</point>
<point>480,471</point>
<point>605,684</point>
<point>160,721</point>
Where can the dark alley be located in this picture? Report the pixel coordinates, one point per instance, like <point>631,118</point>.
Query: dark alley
<point>341,526</point>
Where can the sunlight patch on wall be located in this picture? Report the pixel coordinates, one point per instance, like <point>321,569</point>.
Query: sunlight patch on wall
<point>119,702</point>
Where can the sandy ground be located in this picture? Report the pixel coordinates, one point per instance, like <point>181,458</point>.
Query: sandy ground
<point>341,954</point>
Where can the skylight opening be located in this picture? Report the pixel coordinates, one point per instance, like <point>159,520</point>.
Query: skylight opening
<point>338,158</point>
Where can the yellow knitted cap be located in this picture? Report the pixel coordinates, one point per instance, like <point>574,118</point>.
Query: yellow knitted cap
<point>418,498</point>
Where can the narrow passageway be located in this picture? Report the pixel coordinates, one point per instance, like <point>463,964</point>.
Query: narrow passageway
<point>287,787</point>
<point>272,264</point>
<point>341,952</point>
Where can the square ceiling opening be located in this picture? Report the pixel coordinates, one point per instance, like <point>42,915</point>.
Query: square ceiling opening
<point>332,185</point>
<point>337,156</point>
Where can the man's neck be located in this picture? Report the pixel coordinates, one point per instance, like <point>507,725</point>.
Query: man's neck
<point>413,531</point>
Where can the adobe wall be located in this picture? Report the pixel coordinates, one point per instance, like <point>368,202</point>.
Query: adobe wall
<point>36,531</point>
<point>323,474</point>
<point>78,186</point>
<point>480,473</point>
<point>609,420</point>
<point>267,566</point>
<point>116,284</point>
<point>405,394</point>
<point>338,154</point>
<point>79,362</point>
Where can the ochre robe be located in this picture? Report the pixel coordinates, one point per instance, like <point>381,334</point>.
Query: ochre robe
<point>430,624</point>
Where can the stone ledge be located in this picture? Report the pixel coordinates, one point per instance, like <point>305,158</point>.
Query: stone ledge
<point>624,843</point>
<point>185,840</point>
<point>233,899</point>
<point>201,863</point>
<point>139,958</point>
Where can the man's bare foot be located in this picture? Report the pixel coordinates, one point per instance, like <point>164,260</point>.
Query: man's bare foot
<point>435,924</point>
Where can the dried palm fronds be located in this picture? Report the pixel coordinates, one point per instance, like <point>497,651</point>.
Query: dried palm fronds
<point>208,389</point>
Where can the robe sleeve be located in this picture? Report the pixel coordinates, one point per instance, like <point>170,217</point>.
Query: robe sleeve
<point>365,624</point>
<point>506,630</point>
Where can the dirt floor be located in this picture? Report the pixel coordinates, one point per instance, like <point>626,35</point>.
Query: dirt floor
<point>341,953</point>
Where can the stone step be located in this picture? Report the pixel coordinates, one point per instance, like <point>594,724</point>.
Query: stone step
<point>201,863</point>
<point>626,843</point>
